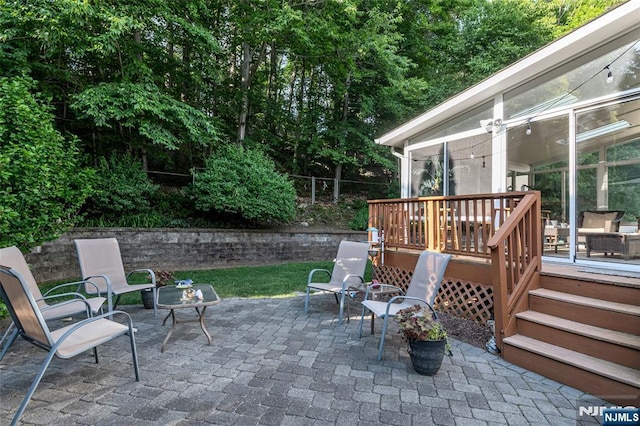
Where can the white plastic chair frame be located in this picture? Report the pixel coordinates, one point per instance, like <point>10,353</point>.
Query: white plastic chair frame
<point>66,342</point>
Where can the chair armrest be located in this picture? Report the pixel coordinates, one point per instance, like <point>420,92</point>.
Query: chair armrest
<point>80,298</point>
<point>313,271</point>
<point>380,285</point>
<point>152,274</point>
<point>346,282</point>
<point>78,283</point>
<point>82,323</point>
<point>102,277</point>
<point>417,299</point>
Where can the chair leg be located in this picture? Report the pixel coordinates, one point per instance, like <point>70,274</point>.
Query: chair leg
<point>32,389</point>
<point>9,339</point>
<point>155,301</point>
<point>134,354</point>
<point>306,302</point>
<point>341,306</point>
<point>361,322</point>
<point>384,331</point>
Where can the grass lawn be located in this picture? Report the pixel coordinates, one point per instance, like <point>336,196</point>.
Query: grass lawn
<point>248,281</point>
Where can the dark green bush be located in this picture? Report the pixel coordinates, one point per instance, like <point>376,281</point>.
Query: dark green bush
<point>42,186</point>
<point>360,219</point>
<point>122,189</point>
<point>244,183</point>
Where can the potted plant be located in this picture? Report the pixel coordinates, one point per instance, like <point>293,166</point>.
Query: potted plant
<point>162,279</point>
<point>425,336</point>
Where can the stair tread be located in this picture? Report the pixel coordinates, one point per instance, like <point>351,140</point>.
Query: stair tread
<point>587,301</point>
<point>598,333</point>
<point>594,365</point>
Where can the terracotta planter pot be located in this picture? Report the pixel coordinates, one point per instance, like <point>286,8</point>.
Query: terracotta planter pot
<point>426,355</point>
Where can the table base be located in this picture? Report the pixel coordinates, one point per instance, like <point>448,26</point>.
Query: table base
<point>174,321</point>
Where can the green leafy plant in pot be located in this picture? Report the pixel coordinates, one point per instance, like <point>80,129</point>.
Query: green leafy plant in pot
<point>162,279</point>
<point>426,338</point>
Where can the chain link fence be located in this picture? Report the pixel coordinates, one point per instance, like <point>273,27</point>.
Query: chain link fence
<point>318,189</point>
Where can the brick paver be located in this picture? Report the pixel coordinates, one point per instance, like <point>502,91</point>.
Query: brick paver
<point>270,364</point>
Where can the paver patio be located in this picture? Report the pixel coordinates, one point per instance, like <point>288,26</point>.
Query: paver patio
<point>271,364</point>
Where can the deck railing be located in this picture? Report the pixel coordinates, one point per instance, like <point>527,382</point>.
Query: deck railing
<point>458,225</point>
<point>505,228</point>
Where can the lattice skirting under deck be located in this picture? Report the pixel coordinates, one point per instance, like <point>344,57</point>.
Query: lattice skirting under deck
<point>468,300</point>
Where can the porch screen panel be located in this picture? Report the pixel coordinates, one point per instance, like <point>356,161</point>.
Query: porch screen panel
<point>470,165</point>
<point>427,171</point>
<point>608,179</point>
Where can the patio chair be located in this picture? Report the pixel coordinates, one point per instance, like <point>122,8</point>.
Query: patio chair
<point>65,342</point>
<point>12,257</point>
<point>101,262</point>
<point>348,269</point>
<point>423,288</point>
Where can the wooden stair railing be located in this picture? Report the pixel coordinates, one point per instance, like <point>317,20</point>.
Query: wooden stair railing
<point>515,262</point>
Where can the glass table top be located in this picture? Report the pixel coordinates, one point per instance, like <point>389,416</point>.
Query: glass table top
<point>170,297</point>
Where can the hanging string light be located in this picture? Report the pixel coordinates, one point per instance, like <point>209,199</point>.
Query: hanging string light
<point>528,131</point>
<point>609,74</point>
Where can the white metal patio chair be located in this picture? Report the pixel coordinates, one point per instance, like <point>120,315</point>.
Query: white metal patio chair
<point>100,261</point>
<point>348,268</point>
<point>13,258</point>
<point>423,288</point>
<point>65,342</point>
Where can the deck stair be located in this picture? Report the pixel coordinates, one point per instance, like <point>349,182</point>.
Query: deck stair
<point>583,333</point>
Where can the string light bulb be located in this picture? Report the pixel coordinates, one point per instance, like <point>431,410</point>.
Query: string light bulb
<point>472,156</point>
<point>528,131</point>
<point>609,74</point>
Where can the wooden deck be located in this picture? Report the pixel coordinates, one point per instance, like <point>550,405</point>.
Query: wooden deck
<point>584,273</point>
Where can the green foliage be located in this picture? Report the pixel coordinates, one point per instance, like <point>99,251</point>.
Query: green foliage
<point>42,185</point>
<point>244,183</point>
<point>122,189</point>
<point>147,111</point>
<point>360,220</point>
<point>417,323</point>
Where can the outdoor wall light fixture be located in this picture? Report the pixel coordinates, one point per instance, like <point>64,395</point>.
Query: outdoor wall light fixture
<point>489,125</point>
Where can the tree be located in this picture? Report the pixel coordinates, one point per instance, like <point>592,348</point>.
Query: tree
<point>42,186</point>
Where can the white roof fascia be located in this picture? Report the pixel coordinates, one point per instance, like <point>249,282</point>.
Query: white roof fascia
<point>619,21</point>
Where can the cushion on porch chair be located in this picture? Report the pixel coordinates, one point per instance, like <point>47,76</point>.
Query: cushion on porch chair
<point>599,221</point>
<point>348,268</point>
<point>12,257</point>
<point>100,261</point>
<point>66,342</point>
<point>422,290</point>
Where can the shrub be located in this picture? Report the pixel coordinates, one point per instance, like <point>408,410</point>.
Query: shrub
<point>244,183</point>
<point>360,219</point>
<point>42,186</point>
<point>122,189</point>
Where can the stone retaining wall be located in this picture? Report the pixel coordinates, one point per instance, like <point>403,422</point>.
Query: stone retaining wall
<point>190,249</point>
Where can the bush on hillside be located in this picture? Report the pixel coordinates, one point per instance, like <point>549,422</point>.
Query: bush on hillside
<point>122,190</point>
<point>243,183</point>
